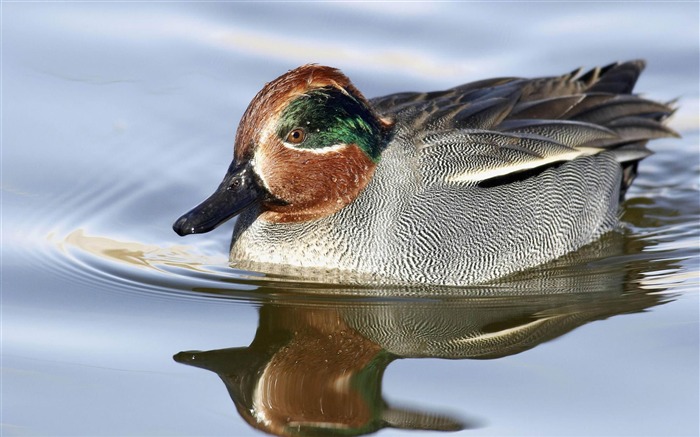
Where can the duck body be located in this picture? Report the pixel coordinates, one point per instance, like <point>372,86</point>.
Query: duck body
<point>453,187</point>
<point>439,233</point>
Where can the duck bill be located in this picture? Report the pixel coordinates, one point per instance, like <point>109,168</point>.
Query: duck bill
<point>238,190</point>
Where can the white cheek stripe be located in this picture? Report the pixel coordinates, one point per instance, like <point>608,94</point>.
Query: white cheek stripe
<point>255,162</point>
<point>321,151</point>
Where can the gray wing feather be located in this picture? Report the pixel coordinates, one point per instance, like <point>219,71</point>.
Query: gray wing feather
<point>499,126</point>
<point>620,106</point>
<point>551,108</point>
<point>567,132</point>
<point>465,156</point>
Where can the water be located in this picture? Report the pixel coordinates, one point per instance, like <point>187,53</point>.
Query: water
<point>116,118</point>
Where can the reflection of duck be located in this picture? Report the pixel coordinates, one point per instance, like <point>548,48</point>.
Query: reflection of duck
<point>317,367</point>
<point>308,373</point>
<point>450,187</point>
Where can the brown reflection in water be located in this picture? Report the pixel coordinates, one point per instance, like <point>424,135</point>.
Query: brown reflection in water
<point>316,368</point>
<point>316,365</point>
<point>308,372</point>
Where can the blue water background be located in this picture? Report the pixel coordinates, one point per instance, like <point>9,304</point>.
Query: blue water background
<point>117,117</point>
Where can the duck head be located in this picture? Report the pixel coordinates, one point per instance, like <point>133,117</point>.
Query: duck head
<point>307,145</point>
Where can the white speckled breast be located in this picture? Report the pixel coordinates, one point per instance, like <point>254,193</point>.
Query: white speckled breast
<point>402,230</point>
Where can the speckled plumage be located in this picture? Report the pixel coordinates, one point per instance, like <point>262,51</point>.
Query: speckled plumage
<point>440,233</point>
<point>476,182</point>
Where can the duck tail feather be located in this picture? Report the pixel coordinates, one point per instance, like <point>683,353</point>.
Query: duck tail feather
<point>618,78</point>
<point>631,152</point>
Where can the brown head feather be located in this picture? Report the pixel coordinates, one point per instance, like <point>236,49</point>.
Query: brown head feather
<point>310,183</point>
<point>278,93</point>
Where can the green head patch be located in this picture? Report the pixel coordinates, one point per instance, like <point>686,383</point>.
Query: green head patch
<point>326,117</point>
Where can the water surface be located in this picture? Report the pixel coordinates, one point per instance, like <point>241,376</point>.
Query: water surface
<point>117,118</point>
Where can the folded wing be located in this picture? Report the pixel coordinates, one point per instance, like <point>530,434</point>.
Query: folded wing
<point>498,129</point>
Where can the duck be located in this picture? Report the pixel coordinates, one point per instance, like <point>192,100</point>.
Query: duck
<point>454,187</point>
<point>308,373</point>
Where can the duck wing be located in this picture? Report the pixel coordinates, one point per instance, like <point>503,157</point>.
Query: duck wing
<point>494,130</point>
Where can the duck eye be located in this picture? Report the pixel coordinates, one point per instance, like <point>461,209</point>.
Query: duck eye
<point>296,136</point>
